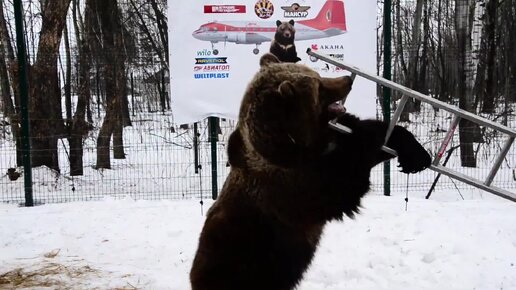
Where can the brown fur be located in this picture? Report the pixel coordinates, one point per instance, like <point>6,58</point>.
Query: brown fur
<point>284,183</point>
<point>263,230</point>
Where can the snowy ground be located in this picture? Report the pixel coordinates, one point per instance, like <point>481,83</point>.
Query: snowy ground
<point>446,243</point>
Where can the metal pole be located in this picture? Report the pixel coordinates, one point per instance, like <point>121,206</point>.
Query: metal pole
<point>133,99</point>
<point>395,117</point>
<point>213,141</point>
<point>196,148</point>
<point>446,141</point>
<point>387,52</point>
<point>24,102</point>
<point>414,94</point>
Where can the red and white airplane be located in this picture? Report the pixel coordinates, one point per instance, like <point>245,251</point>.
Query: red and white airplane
<point>330,21</point>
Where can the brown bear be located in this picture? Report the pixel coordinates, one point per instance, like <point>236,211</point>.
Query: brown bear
<point>290,174</point>
<point>282,46</point>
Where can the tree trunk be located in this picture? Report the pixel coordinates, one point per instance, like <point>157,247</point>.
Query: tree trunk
<point>509,13</point>
<point>488,104</point>
<point>485,89</point>
<point>45,97</point>
<point>79,127</point>
<point>512,50</point>
<point>117,110</point>
<point>466,128</point>
<point>5,84</point>
<point>413,75</point>
<point>76,154</point>
<point>68,78</point>
<point>103,141</point>
<point>423,69</point>
<point>123,118</point>
<point>399,38</point>
<point>440,68</point>
<point>118,141</point>
<point>162,27</point>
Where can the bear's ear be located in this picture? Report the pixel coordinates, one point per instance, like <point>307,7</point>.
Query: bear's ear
<point>286,88</point>
<point>268,58</point>
<point>291,22</point>
<point>301,83</point>
<point>236,149</point>
<point>278,23</point>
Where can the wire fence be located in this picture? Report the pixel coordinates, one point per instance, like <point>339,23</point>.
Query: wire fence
<point>160,163</point>
<point>165,160</point>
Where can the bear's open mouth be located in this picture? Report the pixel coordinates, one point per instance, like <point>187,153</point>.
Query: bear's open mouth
<point>335,109</point>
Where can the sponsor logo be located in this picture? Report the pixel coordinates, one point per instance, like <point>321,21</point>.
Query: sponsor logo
<point>327,46</point>
<point>211,76</point>
<point>295,11</point>
<point>327,68</point>
<point>339,56</point>
<point>264,9</point>
<point>211,60</point>
<point>211,68</point>
<point>204,52</point>
<point>224,9</point>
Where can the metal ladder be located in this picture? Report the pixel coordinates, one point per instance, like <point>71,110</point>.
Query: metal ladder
<point>458,114</point>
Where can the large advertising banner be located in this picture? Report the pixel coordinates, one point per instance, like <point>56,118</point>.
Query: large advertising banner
<point>215,47</point>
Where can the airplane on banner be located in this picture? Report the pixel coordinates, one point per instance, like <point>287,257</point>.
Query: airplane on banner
<point>330,21</point>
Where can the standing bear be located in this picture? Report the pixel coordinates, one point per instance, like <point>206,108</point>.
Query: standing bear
<point>282,46</point>
<point>290,174</point>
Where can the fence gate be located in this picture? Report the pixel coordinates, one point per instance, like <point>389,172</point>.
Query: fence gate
<point>458,114</point>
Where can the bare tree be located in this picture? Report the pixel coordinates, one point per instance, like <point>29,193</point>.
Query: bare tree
<point>412,76</point>
<point>67,77</point>
<point>160,20</point>
<point>79,127</point>
<point>508,27</point>
<point>46,122</point>
<point>7,80</point>
<point>464,70</point>
<point>485,84</point>
<point>117,112</point>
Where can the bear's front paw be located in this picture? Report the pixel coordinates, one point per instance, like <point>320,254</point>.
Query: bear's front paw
<point>415,161</point>
<point>412,157</point>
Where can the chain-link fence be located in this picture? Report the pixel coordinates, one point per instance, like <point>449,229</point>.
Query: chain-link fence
<point>152,157</point>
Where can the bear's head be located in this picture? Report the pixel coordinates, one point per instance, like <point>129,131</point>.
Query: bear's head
<point>285,32</point>
<point>283,119</point>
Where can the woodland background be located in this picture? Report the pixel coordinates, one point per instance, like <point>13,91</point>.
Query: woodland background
<point>101,117</point>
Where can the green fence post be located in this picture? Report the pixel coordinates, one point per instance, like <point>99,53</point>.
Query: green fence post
<point>213,141</point>
<point>24,102</point>
<point>387,52</point>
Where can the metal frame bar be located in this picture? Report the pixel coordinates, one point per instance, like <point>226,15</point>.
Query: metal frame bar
<point>458,114</point>
<point>499,161</point>
<point>417,95</point>
<point>396,117</point>
<point>474,182</point>
<point>447,139</point>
